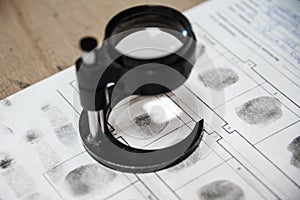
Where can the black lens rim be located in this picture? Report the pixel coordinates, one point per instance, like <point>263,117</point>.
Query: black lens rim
<point>146,12</point>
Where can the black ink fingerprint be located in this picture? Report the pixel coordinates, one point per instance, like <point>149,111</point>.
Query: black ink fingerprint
<point>148,126</point>
<point>294,147</point>
<point>66,134</point>
<point>63,129</point>
<point>221,190</point>
<point>55,115</point>
<point>218,79</point>
<point>88,178</point>
<point>260,111</point>
<point>32,135</point>
<point>5,161</point>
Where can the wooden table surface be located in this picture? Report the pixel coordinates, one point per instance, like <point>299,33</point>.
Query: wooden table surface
<point>38,38</point>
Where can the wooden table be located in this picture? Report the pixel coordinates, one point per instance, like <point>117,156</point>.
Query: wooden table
<point>40,37</point>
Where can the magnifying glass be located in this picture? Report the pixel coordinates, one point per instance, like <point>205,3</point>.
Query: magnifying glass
<point>147,50</point>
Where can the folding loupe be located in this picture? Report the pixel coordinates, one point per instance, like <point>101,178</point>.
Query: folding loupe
<point>147,50</point>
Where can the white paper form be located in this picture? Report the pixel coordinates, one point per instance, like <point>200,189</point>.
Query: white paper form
<point>245,154</point>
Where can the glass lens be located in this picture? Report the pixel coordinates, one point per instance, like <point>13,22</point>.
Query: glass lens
<point>149,43</point>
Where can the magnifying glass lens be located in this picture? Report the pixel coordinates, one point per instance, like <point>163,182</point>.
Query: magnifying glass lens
<point>149,43</point>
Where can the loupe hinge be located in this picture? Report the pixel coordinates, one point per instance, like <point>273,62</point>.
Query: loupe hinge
<point>93,123</point>
<point>93,96</point>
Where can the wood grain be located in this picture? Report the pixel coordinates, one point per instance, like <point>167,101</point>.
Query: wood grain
<point>40,37</point>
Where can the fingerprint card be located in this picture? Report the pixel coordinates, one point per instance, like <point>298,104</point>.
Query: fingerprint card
<point>222,182</point>
<point>83,178</point>
<point>145,120</point>
<point>218,81</point>
<point>286,155</point>
<point>257,114</point>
